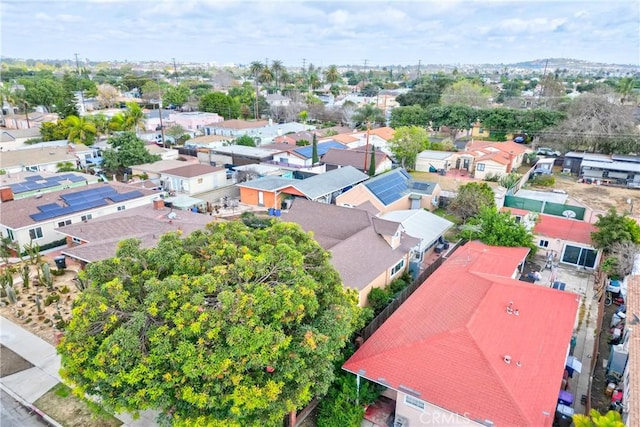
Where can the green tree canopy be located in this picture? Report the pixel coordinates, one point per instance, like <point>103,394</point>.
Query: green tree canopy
<point>615,228</point>
<point>406,143</point>
<point>596,419</point>
<point>411,115</point>
<point>228,326</point>
<point>127,150</point>
<point>54,131</point>
<point>245,140</point>
<point>499,229</point>
<point>466,92</point>
<point>471,198</point>
<point>220,103</point>
<point>176,95</point>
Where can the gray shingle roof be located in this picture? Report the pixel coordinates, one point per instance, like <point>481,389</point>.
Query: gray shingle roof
<point>359,253</point>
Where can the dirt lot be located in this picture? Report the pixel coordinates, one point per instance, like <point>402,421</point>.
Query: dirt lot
<point>597,197</point>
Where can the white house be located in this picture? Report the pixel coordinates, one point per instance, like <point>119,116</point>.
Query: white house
<point>193,179</point>
<point>36,218</point>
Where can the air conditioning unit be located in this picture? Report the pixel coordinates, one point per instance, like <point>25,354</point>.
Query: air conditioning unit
<point>567,171</point>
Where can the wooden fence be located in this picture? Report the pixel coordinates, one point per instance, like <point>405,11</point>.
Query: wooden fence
<point>403,296</point>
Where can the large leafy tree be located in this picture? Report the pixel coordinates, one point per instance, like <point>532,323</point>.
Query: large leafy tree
<point>426,92</point>
<point>45,92</point>
<point>220,103</point>
<point>456,117</point>
<point>466,92</point>
<point>177,95</point>
<point>471,198</point>
<point>126,150</point>
<point>615,228</point>
<point>229,326</point>
<point>499,229</point>
<point>411,115</point>
<point>406,143</point>
<point>54,131</point>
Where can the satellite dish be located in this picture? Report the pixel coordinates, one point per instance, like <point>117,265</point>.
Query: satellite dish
<point>569,214</point>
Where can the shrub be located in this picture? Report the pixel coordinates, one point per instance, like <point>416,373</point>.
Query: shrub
<point>544,180</point>
<point>397,285</point>
<point>65,290</point>
<point>378,299</point>
<point>339,408</point>
<point>58,272</point>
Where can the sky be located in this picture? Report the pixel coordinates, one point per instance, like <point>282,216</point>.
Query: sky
<point>348,32</point>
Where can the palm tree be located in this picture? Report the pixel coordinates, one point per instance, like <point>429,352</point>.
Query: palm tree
<point>369,114</point>
<point>332,75</point>
<point>255,68</point>
<point>101,122</point>
<point>277,68</point>
<point>81,130</point>
<point>266,76</point>
<point>625,87</point>
<point>134,117</point>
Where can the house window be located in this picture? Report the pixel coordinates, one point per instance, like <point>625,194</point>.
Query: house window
<point>63,223</point>
<point>581,257</point>
<point>518,219</point>
<point>86,217</point>
<point>32,169</point>
<point>121,208</point>
<point>200,180</point>
<point>414,402</point>
<point>480,167</point>
<point>10,234</point>
<point>543,243</point>
<point>481,130</point>
<point>398,267</point>
<point>35,233</point>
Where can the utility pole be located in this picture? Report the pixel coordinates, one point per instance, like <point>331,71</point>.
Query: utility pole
<point>304,70</point>
<point>84,108</point>
<point>365,71</point>
<point>160,112</point>
<point>175,70</point>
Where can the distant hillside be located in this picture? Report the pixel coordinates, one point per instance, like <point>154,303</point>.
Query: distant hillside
<point>571,64</point>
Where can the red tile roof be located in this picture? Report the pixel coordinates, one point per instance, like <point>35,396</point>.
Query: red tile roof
<point>448,341</point>
<point>564,228</point>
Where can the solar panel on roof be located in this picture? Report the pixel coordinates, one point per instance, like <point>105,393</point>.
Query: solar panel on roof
<point>76,178</point>
<point>49,207</point>
<point>389,188</point>
<point>33,178</point>
<point>125,196</point>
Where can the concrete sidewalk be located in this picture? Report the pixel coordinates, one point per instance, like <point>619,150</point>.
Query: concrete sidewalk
<point>582,283</point>
<point>29,385</point>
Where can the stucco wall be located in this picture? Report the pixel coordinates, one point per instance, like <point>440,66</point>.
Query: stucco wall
<point>431,415</point>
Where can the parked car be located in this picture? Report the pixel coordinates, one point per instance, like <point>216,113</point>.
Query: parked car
<point>546,151</point>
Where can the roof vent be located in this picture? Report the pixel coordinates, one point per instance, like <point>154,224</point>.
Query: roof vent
<point>171,215</point>
<point>519,364</point>
<point>507,359</point>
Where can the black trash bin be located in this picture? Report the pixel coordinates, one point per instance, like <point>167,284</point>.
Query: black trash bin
<point>61,262</point>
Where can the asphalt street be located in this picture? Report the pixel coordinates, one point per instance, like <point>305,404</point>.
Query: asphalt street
<point>12,414</point>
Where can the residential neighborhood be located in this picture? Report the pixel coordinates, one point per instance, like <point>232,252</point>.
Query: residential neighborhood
<point>348,242</point>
